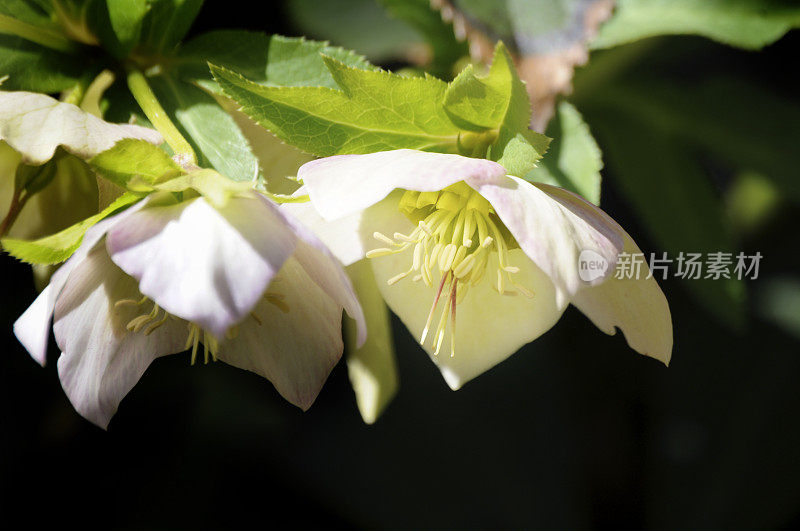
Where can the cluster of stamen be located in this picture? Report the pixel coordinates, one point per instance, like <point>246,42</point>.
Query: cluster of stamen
<point>458,236</point>
<point>149,322</point>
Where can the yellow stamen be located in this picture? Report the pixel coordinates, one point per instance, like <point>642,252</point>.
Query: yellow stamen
<point>457,232</point>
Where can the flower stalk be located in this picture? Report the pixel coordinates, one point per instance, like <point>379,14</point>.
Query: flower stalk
<point>140,88</point>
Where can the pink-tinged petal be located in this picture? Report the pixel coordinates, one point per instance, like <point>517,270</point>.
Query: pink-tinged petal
<point>344,184</point>
<point>637,306</point>
<point>489,327</point>
<point>33,326</point>
<point>294,349</point>
<point>101,360</point>
<point>327,272</point>
<point>206,265</point>
<point>553,226</point>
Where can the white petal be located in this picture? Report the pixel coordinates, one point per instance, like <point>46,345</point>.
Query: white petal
<point>342,236</point>
<point>637,306</point>
<point>489,327</point>
<point>206,265</point>
<point>36,124</point>
<point>345,184</point>
<point>553,226</point>
<point>295,350</point>
<point>324,270</point>
<point>33,326</point>
<point>101,361</point>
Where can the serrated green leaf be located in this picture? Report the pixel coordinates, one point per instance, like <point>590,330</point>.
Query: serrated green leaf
<point>58,247</point>
<point>491,101</point>
<point>264,59</point>
<point>213,133</point>
<point>373,111</point>
<point>135,165</point>
<point>745,23</point>
<point>499,102</point>
<point>573,160</point>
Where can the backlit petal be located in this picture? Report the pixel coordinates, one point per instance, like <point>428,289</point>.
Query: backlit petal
<point>636,305</point>
<point>553,226</point>
<point>345,184</point>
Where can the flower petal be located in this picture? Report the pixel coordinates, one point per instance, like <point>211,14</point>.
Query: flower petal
<point>206,265</point>
<point>489,327</point>
<point>294,350</point>
<point>33,326</point>
<point>101,360</point>
<point>345,184</point>
<point>342,236</point>
<point>553,226</point>
<point>36,124</point>
<point>636,305</point>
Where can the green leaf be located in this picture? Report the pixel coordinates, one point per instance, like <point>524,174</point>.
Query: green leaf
<point>492,101</point>
<point>373,111</point>
<point>58,247</point>
<point>745,23</point>
<point>499,102</point>
<point>38,69</point>
<point>126,20</point>
<point>135,165</point>
<point>574,160</point>
<point>212,132</point>
<point>167,23</point>
<point>264,59</point>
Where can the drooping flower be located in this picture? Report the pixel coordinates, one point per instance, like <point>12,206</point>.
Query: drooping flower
<point>254,287</point>
<point>476,262</point>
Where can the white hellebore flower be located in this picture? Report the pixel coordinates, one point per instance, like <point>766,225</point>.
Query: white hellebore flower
<point>253,286</point>
<point>475,262</point>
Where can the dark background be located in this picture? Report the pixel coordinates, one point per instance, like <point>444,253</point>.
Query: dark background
<point>575,431</point>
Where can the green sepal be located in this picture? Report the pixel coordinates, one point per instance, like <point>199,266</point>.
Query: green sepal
<point>135,164</point>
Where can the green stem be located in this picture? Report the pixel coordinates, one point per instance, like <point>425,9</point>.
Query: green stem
<point>147,100</point>
<point>46,37</point>
<point>17,202</point>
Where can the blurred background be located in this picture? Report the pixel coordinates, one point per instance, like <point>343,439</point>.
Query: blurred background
<point>575,431</point>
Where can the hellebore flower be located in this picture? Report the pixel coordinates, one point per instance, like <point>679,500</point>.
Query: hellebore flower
<point>257,289</point>
<point>476,262</point>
